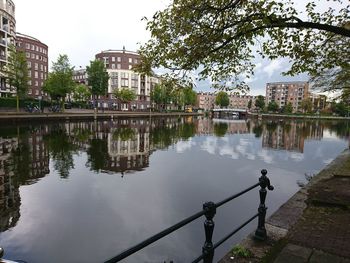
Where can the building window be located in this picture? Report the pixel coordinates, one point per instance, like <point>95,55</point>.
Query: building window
<point>130,66</point>
<point>36,83</point>
<point>119,59</point>
<point>113,66</point>
<point>36,66</point>
<point>130,60</point>
<point>36,74</point>
<point>27,54</point>
<point>113,59</point>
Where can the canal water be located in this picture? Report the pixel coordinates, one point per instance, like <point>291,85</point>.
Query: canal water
<point>84,191</point>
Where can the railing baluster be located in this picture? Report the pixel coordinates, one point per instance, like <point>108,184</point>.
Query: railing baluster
<point>208,249</point>
<point>209,210</point>
<point>264,182</point>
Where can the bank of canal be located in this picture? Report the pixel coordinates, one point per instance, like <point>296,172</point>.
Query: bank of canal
<point>312,226</point>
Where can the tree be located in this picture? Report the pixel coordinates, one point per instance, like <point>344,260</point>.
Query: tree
<point>306,105</point>
<point>16,72</point>
<point>81,93</point>
<point>260,102</point>
<point>222,99</point>
<point>220,38</point>
<point>190,96</point>
<point>272,106</point>
<point>288,108</point>
<point>97,78</point>
<point>125,95</point>
<point>162,93</point>
<point>60,81</point>
<point>250,102</point>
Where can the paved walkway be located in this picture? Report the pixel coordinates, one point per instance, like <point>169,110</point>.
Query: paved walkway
<point>313,226</point>
<point>322,234</point>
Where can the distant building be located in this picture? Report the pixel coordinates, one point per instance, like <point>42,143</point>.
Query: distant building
<point>37,59</point>
<point>287,92</point>
<point>319,102</point>
<point>119,65</point>
<point>80,76</point>
<point>7,38</point>
<point>206,101</point>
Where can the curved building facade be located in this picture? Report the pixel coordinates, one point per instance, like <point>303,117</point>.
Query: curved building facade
<point>7,38</point>
<point>37,59</point>
<point>119,65</point>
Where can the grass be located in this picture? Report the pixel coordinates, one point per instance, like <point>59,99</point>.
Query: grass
<point>240,251</point>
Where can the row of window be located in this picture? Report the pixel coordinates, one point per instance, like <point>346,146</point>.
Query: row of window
<point>35,56</point>
<point>36,75</point>
<point>119,59</point>
<point>36,66</point>
<point>33,47</point>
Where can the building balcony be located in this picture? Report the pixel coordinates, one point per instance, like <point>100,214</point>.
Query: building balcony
<point>3,42</point>
<point>6,28</point>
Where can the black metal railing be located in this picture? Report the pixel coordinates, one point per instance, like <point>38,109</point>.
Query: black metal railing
<point>209,211</point>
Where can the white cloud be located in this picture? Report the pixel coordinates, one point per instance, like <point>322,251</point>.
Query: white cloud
<point>209,145</point>
<point>273,67</point>
<point>183,146</point>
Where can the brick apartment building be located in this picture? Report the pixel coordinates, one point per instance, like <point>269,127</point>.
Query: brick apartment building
<point>206,101</point>
<point>119,65</point>
<point>287,92</point>
<point>37,59</point>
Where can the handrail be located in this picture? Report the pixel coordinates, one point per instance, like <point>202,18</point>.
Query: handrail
<point>209,211</point>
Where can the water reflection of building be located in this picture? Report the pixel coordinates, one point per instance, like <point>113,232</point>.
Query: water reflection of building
<point>207,127</point>
<point>129,146</point>
<point>9,193</point>
<point>286,137</point>
<point>24,158</point>
<point>290,136</point>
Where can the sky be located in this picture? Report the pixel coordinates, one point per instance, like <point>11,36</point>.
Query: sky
<point>83,28</point>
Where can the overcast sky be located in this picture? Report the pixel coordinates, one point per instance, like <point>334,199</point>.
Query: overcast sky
<point>82,28</point>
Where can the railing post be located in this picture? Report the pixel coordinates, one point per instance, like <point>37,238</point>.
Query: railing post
<point>208,250</point>
<point>260,232</point>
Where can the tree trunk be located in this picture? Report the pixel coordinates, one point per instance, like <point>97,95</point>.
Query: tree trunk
<point>17,100</point>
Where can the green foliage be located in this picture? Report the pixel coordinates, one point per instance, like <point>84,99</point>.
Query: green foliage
<point>124,134</point>
<point>250,102</point>
<point>16,71</point>
<point>240,251</point>
<point>288,108</point>
<point>273,106</point>
<point>306,105</point>
<point>97,77</point>
<point>340,109</point>
<point>260,102</point>
<point>190,96</point>
<point>12,102</point>
<point>60,81</point>
<point>220,129</point>
<point>125,95</point>
<point>218,38</point>
<point>81,93</point>
<point>222,99</point>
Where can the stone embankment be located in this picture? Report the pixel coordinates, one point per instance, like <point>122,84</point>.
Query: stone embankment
<point>312,227</point>
<point>291,116</point>
<point>86,115</point>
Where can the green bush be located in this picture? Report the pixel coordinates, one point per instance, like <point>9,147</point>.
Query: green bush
<point>12,103</point>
